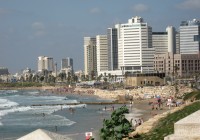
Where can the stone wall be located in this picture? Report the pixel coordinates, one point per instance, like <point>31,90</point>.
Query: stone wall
<point>187,128</point>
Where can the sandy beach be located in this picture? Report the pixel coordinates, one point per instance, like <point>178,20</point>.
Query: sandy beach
<point>142,99</point>
<point>141,96</point>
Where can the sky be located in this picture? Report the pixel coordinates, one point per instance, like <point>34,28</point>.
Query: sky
<point>56,28</point>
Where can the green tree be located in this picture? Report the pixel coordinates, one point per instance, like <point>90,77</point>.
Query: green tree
<point>87,78</point>
<point>69,78</point>
<point>117,127</point>
<point>92,75</point>
<point>126,74</point>
<point>83,78</point>
<point>42,78</point>
<point>30,78</point>
<point>115,78</point>
<point>109,76</point>
<point>62,76</point>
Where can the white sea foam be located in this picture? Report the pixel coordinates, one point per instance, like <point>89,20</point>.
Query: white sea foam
<point>32,114</point>
<point>8,91</point>
<point>36,117</point>
<point>51,109</point>
<point>13,109</point>
<point>33,92</point>
<point>4,103</point>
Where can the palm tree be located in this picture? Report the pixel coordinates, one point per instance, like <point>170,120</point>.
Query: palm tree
<point>92,74</point>
<point>87,78</point>
<point>109,76</point>
<point>62,76</point>
<point>30,77</point>
<point>69,78</point>
<point>83,78</point>
<point>115,77</point>
<point>126,74</point>
<point>42,78</point>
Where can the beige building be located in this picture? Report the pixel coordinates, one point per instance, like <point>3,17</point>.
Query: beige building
<point>45,63</point>
<point>180,65</point>
<point>154,79</point>
<point>102,53</point>
<point>90,57</point>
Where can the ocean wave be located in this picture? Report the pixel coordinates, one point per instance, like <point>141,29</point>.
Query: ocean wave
<point>5,103</point>
<point>33,92</point>
<point>51,109</point>
<point>40,121</point>
<point>8,91</point>
<point>13,109</point>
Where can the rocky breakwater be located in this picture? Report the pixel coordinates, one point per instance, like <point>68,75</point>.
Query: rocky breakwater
<point>143,92</point>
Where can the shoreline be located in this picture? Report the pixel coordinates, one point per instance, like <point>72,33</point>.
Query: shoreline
<point>141,99</point>
<point>141,96</point>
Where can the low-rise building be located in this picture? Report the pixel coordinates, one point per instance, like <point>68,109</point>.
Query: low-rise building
<point>154,79</point>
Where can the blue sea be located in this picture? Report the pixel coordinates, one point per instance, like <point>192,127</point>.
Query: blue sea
<point>19,117</point>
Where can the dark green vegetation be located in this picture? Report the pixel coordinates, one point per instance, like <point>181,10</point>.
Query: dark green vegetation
<point>20,85</point>
<point>117,127</point>
<point>166,125</point>
<point>193,95</point>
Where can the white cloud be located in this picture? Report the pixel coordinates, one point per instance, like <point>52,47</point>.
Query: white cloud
<point>39,28</point>
<point>95,10</point>
<point>189,4</point>
<point>140,8</point>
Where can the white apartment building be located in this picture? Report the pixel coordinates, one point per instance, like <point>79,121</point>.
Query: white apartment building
<point>135,51</point>
<point>90,59</point>
<point>190,37</point>
<point>102,53</point>
<point>45,63</point>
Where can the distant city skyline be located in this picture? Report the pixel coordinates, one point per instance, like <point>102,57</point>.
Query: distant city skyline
<point>33,28</point>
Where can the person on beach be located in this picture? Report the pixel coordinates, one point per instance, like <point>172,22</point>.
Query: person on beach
<point>169,102</point>
<point>56,128</point>
<point>135,124</point>
<point>159,102</point>
<point>113,108</point>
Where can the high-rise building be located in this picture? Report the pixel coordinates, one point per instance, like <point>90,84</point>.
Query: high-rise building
<point>135,51</point>
<point>102,53</point>
<point>112,49</point>
<point>4,71</point>
<point>160,42</point>
<point>190,37</point>
<point>45,63</point>
<point>90,58</point>
<point>164,42</point>
<point>67,63</point>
